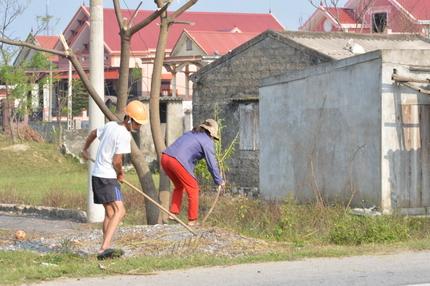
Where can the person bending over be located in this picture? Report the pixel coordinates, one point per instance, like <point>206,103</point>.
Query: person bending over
<point>180,159</point>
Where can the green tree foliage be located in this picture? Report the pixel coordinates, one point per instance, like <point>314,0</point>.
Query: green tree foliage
<point>79,97</point>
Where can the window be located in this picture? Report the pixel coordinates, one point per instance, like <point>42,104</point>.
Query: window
<point>189,45</point>
<point>249,128</point>
<point>379,22</point>
<point>165,92</point>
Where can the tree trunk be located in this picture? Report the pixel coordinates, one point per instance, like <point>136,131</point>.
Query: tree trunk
<point>6,122</point>
<point>154,106</point>
<point>12,118</point>
<point>147,183</point>
<point>8,114</point>
<point>164,194</point>
<point>154,102</point>
<point>137,158</point>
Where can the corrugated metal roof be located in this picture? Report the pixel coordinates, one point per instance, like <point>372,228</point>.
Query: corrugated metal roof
<point>327,45</point>
<point>333,43</point>
<point>162,98</point>
<point>251,98</point>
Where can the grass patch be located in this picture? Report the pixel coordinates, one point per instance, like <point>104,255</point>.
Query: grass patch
<point>26,267</point>
<point>40,175</point>
<point>309,224</point>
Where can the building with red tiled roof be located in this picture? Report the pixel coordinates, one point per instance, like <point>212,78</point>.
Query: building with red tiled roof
<point>196,49</point>
<point>373,16</point>
<point>217,43</point>
<point>189,47</point>
<point>48,42</point>
<point>224,28</point>
<point>26,54</point>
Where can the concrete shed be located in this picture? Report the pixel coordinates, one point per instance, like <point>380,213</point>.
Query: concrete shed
<point>231,84</point>
<point>347,131</point>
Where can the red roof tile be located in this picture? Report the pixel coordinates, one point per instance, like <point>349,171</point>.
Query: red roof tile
<point>47,41</point>
<point>220,42</point>
<point>147,38</point>
<point>419,9</point>
<point>345,16</point>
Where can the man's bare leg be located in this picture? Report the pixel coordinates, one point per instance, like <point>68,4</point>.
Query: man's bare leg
<point>114,212</point>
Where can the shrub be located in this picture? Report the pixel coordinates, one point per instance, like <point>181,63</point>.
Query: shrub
<point>356,230</point>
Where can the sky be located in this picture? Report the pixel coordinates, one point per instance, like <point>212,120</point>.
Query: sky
<point>291,13</point>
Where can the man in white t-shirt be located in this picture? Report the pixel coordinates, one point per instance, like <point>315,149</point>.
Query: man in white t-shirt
<point>114,143</point>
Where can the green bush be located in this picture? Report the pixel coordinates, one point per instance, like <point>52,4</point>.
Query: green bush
<point>302,222</point>
<point>356,230</point>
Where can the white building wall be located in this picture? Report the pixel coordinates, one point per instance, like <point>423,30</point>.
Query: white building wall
<point>332,130</point>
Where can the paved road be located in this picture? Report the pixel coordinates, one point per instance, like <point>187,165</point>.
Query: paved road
<point>400,269</point>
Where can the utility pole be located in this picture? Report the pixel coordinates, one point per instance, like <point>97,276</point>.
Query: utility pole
<point>69,99</point>
<point>47,24</point>
<point>95,212</point>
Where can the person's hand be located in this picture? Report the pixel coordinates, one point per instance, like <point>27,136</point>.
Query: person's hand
<point>85,154</point>
<point>222,184</point>
<point>121,177</point>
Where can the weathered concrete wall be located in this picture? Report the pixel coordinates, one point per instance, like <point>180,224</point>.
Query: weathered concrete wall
<point>74,140</point>
<point>175,121</point>
<point>173,129</point>
<point>319,123</point>
<point>236,76</point>
<point>405,131</point>
<point>335,130</point>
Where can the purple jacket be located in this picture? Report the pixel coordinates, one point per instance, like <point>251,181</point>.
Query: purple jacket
<point>194,146</point>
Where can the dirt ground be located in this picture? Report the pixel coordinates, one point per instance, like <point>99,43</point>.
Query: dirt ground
<point>53,235</point>
<point>35,227</point>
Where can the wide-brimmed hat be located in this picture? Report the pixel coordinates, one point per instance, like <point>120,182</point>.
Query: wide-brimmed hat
<point>211,126</point>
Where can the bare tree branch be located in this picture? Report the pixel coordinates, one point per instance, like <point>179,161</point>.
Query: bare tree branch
<point>11,9</point>
<point>118,14</point>
<point>76,64</point>
<point>134,14</point>
<point>32,46</point>
<point>149,19</point>
<point>182,9</point>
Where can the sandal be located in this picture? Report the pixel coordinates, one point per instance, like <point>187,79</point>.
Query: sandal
<point>110,253</point>
<point>170,218</point>
<point>193,223</point>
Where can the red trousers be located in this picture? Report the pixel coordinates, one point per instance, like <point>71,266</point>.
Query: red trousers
<point>181,180</point>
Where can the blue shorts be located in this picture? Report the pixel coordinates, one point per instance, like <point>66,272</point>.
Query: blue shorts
<point>106,190</point>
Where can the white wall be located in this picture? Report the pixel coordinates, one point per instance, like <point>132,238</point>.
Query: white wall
<point>337,130</point>
<point>309,120</point>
